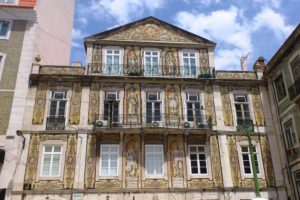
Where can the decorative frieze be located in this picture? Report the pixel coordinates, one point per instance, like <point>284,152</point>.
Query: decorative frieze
<point>62,70</point>
<point>235,75</point>
<point>257,106</point>
<point>209,105</point>
<point>70,162</point>
<point>40,102</point>
<point>90,165</point>
<point>226,104</point>
<point>267,161</point>
<point>94,103</point>
<point>75,104</point>
<point>155,183</point>
<point>234,162</point>
<point>49,185</point>
<point>200,183</point>
<point>108,184</point>
<point>215,160</point>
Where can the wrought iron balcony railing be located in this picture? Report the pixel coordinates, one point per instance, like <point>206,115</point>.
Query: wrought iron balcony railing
<point>152,120</point>
<point>294,90</point>
<point>55,123</point>
<point>150,70</point>
<point>245,124</point>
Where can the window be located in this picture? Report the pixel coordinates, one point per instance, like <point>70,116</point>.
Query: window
<point>242,109</point>
<point>4,29</point>
<point>297,180</point>
<point>56,118</point>
<point>154,160</point>
<point>111,107</point>
<point>295,66</point>
<point>198,159</point>
<point>290,134</point>
<point>193,108</point>
<point>58,105</point>
<point>246,159</point>
<point>109,160</point>
<point>189,64</point>
<point>151,63</point>
<point>2,156</point>
<point>280,87</point>
<point>112,62</point>
<point>153,106</point>
<point>51,160</point>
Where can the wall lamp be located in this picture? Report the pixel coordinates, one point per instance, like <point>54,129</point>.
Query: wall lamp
<point>19,133</point>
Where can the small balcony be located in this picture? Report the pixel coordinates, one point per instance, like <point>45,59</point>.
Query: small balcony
<point>153,121</point>
<point>294,90</point>
<point>55,123</point>
<point>150,71</point>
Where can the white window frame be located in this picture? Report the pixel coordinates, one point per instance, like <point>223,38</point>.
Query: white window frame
<point>152,50</point>
<point>208,162</point>
<point>242,93</point>
<point>187,100</point>
<point>296,143</point>
<point>9,29</point>
<point>57,106</point>
<point>63,145</point>
<point>109,176</point>
<point>189,51</point>
<point>155,175</point>
<point>2,61</point>
<point>104,59</point>
<point>241,144</point>
<point>158,100</point>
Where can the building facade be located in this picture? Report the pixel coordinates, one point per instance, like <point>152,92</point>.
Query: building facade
<point>27,30</point>
<point>283,74</point>
<point>147,118</point>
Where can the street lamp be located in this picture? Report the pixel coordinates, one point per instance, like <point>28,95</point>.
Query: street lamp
<point>247,127</point>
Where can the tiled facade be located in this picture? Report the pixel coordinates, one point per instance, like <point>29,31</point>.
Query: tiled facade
<point>147,118</point>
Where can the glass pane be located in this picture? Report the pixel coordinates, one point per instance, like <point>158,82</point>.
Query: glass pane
<point>201,156</point>
<point>106,111</point>
<point>3,28</point>
<point>48,148</point>
<point>244,149</point>
<point>193,149</point>
<point>149,148</point>
<point>113,172</point>
<point>193,156</point>
<point>104,163</point>
<point>53,105</point>
<point>104,171</point>
<point>158,149</point>
<point>57,149</point>
<point>203,170</point>
<point>201,149</point>
<point>194,170</point>
<point>61,110</point>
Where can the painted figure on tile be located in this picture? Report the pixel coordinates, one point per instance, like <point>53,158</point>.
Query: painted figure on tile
<point>173,103</point>
<point>131,165</point>
<point>177,162</point>
<point>132,103</point>
<point>170,64</point>
<point>132,62</point>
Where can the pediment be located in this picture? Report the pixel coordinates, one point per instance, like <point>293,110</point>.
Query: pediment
<point>150,30</point>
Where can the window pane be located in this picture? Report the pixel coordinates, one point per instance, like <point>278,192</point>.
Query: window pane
<point>57,149</point>
<point>4,28</point>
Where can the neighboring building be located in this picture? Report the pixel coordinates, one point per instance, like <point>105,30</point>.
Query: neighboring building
<point>148,118</point>
<point>283,72</point>
<point>27,28</point>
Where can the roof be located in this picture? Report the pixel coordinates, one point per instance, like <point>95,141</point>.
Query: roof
<point>149,20</point>
<point>285,49</point>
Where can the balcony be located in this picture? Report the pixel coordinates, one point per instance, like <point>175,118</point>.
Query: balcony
<point>149,71</point>
<point>153,121</point>
<point>294,90</point>
<point>55,123</point>
<point>245,125</point>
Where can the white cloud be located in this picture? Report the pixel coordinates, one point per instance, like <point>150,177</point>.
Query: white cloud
<point>77,35</point>
<point>222,26</point>
<point>269,3</point>
<point>276,22</point>
<point>232,31</point>
<point>117,11</point>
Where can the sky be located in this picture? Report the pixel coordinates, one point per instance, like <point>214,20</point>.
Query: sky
<point>239,27</point>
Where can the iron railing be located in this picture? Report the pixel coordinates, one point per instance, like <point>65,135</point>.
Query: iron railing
<point>154,121</point>
<point>55,123</point>
<point>152,71</point>
<point>294,90</point>
<point>245,124</point>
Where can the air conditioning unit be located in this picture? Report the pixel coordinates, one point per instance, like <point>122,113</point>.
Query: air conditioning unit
<point>100,123</point>
<point>156,124</point>
<point>187,125</point>
<point>116,124</point>
<point>201,125</point>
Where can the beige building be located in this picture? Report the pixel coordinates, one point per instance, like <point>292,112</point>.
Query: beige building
<point>148,118</point>
<point>27,29</point>
<point>283,74</point>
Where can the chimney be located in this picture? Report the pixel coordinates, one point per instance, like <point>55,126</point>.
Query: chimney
<point>259,67</point>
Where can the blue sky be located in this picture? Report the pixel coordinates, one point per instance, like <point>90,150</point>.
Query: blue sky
<point>237,26</point>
